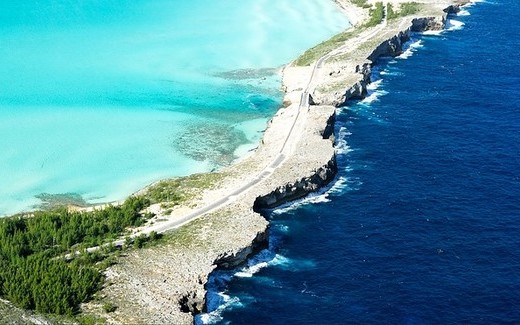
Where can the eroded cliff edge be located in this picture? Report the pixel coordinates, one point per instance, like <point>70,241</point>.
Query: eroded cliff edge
<point>166,284</point>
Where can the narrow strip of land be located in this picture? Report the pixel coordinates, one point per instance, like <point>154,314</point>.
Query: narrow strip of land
<point>279,160</point>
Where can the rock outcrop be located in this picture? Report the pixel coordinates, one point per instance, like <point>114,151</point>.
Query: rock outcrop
<point>428,23</point>
<point>231,259</point>
<point>391,47</point>
<point>194,301</point>
<point>301,188</point>
<point>358,78</point>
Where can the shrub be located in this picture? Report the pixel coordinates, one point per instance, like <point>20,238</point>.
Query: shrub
<point>109,307</point>
<point>33,272</point>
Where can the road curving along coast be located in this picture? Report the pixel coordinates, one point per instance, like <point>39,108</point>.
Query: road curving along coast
<point>166,283</point>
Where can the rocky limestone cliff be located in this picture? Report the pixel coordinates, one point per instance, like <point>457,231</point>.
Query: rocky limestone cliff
<point>194,301</point>
<point>231,259</point>
<point>358,78</point>
<point>428,23</point>
<point>298,189</point>
<point>390,47</point>
<point>314,156</point>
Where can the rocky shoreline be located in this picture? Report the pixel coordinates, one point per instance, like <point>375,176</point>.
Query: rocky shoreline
<point>166,283</point>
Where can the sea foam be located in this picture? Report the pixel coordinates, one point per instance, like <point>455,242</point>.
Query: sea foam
<point>410,49</point>
<point>453,24</point>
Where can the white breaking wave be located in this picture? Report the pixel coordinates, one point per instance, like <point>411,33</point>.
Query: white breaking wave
<point>218,302</point>
<point>453,24</point>
<point>342,146</point>
<point>341,184</point>
<point>283,228</point>
<point>280,260</point>
<point>215,316</point>
<point>433,32</point>
<point>372,97</point>
<point>463,12</point>
<point>248,272</point>
<point>391,73</point>
<point>261,260</point>
<point>411,49</point>
<point>375,84</point>
<point>373,89</point>
<point>312,198</point>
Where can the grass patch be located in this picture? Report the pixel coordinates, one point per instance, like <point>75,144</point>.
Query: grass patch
<point>361,3</point>
<point>184,237</point>
<point>195,234</point>
<point>376,15</point>
<point>183,189</point>
<point>325,47</point>
<point>405,9</point>
<point>109,307</point>
<point>90,320</point>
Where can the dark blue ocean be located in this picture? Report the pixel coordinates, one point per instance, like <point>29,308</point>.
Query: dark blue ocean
<point>422,225</point>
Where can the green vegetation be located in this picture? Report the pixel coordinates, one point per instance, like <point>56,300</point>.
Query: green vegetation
<point>406,9</point>
<point>361,3</point>
<point>33,271</point>
<point>325,47</point>
<point>376,15</point>
<point>109,307</point>
<point>392,14</point>
<point>180,190</point>
<point>409,8</point>
<point>89,320</point>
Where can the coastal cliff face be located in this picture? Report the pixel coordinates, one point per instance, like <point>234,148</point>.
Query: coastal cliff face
<point>234,258</point>
<point>434,23</point>
<point>356,81</point>
<point>314,152</point>
<point>193,301</point>
<point>301,188</point>
<point>390,47</point>
<point>314,156</point>
<point>167,284</point>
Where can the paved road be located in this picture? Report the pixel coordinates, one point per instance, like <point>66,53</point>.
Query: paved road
<point>266,172</point>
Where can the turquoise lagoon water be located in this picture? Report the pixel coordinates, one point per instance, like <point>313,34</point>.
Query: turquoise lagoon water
<point>100,98</point>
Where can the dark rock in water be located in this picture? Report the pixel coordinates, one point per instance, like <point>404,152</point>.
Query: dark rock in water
<point>453,9</point>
